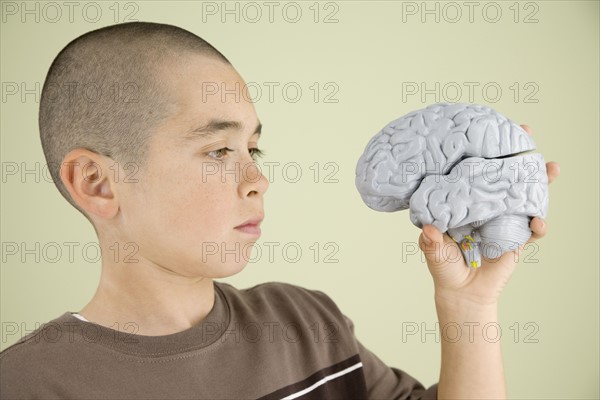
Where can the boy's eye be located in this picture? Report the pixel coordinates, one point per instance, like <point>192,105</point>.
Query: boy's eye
<point>220,153</point>
<point>255,152</point>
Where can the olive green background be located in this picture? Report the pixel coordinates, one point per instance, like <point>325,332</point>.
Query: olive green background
<point>359,57</point>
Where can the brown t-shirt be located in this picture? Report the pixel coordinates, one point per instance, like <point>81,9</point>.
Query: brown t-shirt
<point>271,341</point>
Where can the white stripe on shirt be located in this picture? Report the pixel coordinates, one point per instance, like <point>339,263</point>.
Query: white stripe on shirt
<point>322,381</point>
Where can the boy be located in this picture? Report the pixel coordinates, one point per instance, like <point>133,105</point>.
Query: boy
<point>170,170</point>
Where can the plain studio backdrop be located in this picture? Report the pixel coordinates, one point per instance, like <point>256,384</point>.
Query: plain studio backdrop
<point>326,77</point>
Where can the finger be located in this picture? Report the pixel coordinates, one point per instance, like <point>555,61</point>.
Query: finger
<point>433,233</point>
<point>538,228</point>
<point>552,167</point>
<point>437,255</point>
<point>430,239</point>
<point>552,170</point>
<point>527,129</point>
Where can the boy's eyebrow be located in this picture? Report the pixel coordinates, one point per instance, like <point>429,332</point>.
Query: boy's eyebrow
<point>216,125</point>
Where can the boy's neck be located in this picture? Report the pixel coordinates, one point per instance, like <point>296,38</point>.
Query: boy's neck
<point>154,307</point>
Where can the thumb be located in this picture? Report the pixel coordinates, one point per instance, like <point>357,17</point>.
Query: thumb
<point>431,244</point>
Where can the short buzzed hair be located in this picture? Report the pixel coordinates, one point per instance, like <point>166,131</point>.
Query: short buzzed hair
<point>105,92</point>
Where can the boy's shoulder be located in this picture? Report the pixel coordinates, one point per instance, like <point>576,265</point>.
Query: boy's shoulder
<point>274,315</point>
<point>289,306</point>
<point>35,343</point>
<point>279,297</point>
<point>284,301</point>
<point>272,288</point>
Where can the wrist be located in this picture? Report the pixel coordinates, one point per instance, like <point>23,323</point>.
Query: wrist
<point>455,306</point>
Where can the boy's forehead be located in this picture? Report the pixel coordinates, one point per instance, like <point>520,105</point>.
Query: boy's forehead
<point>204,88</point>
<point>200,70</point>
<point>214,126</point>
<point>213,83</point>
<point>215,114</point>
<point>206,92</point>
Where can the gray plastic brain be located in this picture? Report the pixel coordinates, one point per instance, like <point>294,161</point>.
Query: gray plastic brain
<point>464,168</point>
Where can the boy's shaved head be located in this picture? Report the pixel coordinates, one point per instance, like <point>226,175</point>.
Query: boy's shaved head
<point>107,90</point>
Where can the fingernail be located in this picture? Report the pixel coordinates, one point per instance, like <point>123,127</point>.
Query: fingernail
<point>426,239</point>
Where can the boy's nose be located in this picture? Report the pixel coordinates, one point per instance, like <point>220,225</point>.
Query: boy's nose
<point>253,180</point>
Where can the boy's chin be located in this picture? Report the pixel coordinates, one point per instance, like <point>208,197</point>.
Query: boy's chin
<point>217,270</point>
<point>225,270</point>
<point>224,261</point>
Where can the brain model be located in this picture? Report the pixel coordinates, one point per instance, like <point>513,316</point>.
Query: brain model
<point>464,168</point>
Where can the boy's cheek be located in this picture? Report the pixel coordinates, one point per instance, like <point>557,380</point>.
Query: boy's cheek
<point>229,173</point>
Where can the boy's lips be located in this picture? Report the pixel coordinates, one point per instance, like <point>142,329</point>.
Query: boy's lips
<point>251,226</point>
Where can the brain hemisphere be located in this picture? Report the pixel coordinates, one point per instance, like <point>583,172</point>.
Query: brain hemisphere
<point>457,166</point>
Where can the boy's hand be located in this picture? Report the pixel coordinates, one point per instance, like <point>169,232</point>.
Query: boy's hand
<point>458,284</point>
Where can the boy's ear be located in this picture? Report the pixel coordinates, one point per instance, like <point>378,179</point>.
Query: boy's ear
<point>87,177</point>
